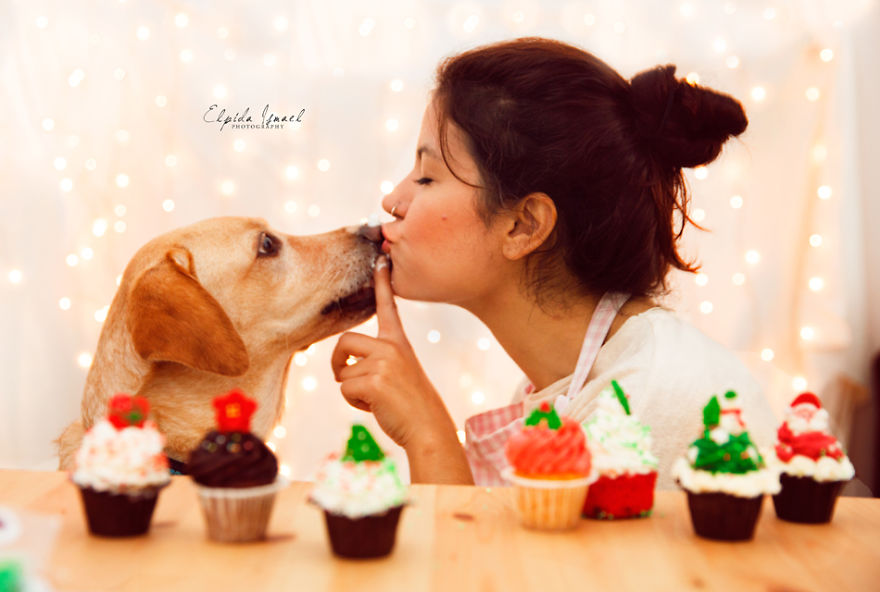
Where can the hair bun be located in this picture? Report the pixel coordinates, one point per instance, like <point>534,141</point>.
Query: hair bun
<point>685,125</point>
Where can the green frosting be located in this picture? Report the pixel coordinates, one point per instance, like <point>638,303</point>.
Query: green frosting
<point>547,413</point>
<point>621,396</point>
<point>737,455</point>
<point>361,446</point>
<point>11,578</point>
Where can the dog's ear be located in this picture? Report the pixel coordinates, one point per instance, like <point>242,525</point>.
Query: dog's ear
<point>172,318</point>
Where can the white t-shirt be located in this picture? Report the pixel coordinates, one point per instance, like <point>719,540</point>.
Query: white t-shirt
<point>670,370</point>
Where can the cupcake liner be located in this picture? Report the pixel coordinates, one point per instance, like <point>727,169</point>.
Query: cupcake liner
<point>805,500</point>
<point>365,537</point>
<point>116,514</point>
<point>549,504</point>
<point>724,517</point>
<point>630,495</point>
<point>238,514</point>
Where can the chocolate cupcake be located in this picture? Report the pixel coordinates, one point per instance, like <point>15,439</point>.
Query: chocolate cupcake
<point>120,468</point>
<point>235,473</point>
<point>812,464</point>
<point>362,498</point>
<point>724,475</point>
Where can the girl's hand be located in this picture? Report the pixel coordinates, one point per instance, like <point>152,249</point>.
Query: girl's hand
<point>387,379</point>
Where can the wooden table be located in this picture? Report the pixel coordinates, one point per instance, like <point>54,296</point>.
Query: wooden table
<point>452,538</point>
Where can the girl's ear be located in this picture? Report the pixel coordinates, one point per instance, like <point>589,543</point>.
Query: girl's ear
<point>529,224</point>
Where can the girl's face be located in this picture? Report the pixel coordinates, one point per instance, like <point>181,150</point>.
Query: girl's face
<point>440,248</point>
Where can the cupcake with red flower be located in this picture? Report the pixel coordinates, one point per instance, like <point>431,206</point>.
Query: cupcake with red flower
<point>235,473</point>
<point>120,468</point>
<point>621,452</point>
<point>362,497</point>
<point>813,466</point>
<point>724,475</point>
<point>549,469</point>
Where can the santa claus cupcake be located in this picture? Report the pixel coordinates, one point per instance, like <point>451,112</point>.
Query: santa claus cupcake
<point>813,467</point>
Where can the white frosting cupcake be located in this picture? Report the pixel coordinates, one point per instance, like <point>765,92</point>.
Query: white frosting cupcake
<point>619,443</point>
<point>121,460</point>
<point>357,489</point>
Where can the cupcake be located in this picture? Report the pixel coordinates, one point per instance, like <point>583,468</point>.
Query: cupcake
<point>724,475</point>
<point>362,498</point>
<point>549,469</point>
<point>813,467</point>
<point>235,473</point>
<point>120,468</point>
<point>621,455</point>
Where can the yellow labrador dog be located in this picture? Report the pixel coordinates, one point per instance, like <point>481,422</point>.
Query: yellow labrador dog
<point>220,304</point>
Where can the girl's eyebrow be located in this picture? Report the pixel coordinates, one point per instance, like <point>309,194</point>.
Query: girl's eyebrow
<point>425,150</point>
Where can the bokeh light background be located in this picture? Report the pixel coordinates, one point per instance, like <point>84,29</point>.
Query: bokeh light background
<point>104,146</point>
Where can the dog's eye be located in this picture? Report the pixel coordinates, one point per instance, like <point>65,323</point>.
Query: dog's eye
<point>269,245</point>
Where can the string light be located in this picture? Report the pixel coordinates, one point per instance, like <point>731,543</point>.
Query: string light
<point>170,160</point>
<point>769,13</point>
<point>161,101</point>
<point>64,303</point>
<point>119,74</point>
<point>701,173</point>
<point>227,187</point>
<point>759,93</point>
<point>48,124</point>
<point>119,210</point>
<point>312,349</point>
<point>239,145</point>
<point>122,180</point>
<point>76,77</point>
<point>812,94</point>
<point>91,164</point>
<point>15,276</point>
<point>143,33</point>
<point>270,59</point>
<point>434,336</point>
<point>826,55</point>
<point>819,152</point>
<point>300,359</point>
<point>186,56</point>
<point>692,78</point>
<point>738,279</point>
<point>824,192</point>
<point>309,383</point>
<point>799,383</point>
<point>732,62</point>
<point>280,23</point>
<point>815,240</point>
<point>816,284</point>
<point>461,436</point>
<point>589,19</point>
<point>290,207</point>
<point>314,211</point>
<point>701,279</point>
<point>736,202</point>
<point>409,23</point>
<point>168,205</point>
<point>84,359</point>
<point>808,333</point>
<point>271,446</point>
<point>284,470</point>
<point>719,45</point>
<point>219,91</point>
<point>706,307</point>
<point>386,187</point>
<point>478,398</point>
<point>86,253</point>
<point>101,313</point>
<point>698,215</point>
<point>181,19</point>
<point>687,10</point>
<point>119,226</point>
<point>66,185</point>
<point>72,260</point>
<point>484,343</point>
<point>222,32</point>
<point>41,22</point>
<point>291,172</point>
<point>122,136</point>
<point>323,165</point>
<point>753,257</point>
<point>396,85</point>
<point>366,26</point>
<point>391,125</point>
<point>767,354</point>
<point>59,163</point>
<point>279,432</point>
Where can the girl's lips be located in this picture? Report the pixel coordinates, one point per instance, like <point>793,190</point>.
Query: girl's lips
<point>386,247</point>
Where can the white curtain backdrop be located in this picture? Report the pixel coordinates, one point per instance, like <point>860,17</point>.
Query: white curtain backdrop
<point>104,147</point>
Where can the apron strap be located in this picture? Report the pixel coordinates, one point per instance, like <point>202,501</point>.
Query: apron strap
<point>600,324</point>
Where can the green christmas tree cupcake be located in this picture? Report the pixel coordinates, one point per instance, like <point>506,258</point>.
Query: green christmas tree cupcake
<point>724,475</point>
<point>362,497</point>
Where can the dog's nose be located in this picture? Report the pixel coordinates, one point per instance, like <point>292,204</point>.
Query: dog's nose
<point>371,233</point>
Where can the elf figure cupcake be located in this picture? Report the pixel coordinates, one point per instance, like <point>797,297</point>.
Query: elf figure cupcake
<point>362,497</point>
<point>235,473</point>
<point>120,468</point>
<point>550,470</point>
<point>813,466</point>
<point>621,454</point>
<point>724,475</point>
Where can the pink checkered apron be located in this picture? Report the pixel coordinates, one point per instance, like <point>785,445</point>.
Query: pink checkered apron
<point>486,433</point>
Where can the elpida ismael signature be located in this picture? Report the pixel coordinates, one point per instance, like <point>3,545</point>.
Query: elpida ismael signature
<point>244,120</point>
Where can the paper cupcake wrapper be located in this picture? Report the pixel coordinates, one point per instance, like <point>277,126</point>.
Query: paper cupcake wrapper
<point>549,504</point>
<point>239,515</point>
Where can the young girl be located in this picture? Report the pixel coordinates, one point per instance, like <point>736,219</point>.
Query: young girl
<point>544,200</point>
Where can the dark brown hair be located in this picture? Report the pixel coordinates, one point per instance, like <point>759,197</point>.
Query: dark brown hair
<point>543,116</point>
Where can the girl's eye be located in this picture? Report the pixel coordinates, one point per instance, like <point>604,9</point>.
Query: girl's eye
<point>424,181</point>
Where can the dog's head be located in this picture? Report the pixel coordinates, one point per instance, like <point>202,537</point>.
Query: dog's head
<point>215,295</point>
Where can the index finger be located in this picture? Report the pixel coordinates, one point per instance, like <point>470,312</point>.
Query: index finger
<point>386,310</point>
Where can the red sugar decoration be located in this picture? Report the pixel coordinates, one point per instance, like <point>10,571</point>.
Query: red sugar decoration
<point>124,410</point>
<point>234,411</point>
